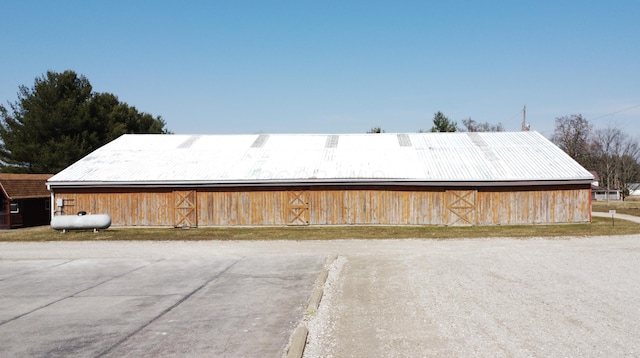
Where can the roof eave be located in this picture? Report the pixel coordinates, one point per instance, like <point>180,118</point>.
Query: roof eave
<point>276,183</point>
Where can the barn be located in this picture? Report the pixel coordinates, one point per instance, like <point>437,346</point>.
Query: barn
<point>500,178</point>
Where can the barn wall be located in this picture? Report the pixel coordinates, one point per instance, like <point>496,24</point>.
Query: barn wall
<point>335,206</point>
<point>534,207</point>
<point>127,208</point>
<point>241,208</point>
<point>368,206</point>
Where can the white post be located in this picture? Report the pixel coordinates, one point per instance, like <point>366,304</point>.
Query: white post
<point>52,206</point>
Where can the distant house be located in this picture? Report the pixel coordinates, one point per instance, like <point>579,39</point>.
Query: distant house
<point>596,178</point>
<point>634,190</point>
<point>24,200</point>
<point>601,193</point>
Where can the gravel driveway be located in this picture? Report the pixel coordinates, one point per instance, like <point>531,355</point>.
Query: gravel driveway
<point>483,298</point>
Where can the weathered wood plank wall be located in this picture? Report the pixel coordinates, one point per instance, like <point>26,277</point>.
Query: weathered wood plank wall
<point>379,207</point>
<point>340,206</point>
<point>241,208</point>
<point>534,207</point>
<point>125,208</point>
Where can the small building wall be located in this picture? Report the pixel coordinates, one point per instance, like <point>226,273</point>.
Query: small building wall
<point>31,212</point>
<point>601,194</point>
<point>35,211</point>
<point>332,205</point>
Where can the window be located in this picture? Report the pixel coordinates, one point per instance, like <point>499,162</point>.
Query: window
<point>14,208</point>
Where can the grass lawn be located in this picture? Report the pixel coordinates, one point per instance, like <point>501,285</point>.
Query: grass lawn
<point>629,207</point>
<point>599,227</point>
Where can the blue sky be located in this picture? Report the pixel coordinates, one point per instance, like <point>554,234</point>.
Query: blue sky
<point>337,66</point>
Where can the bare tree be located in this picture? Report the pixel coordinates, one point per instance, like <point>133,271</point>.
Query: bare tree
<point>604,156</point>
<point>610,151</point>
<point>616,157</point>
<point>573,135</point>
<point>628,166</point>
<point>469,125</point>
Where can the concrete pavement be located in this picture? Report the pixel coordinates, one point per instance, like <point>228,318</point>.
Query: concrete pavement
<point>239,306</point>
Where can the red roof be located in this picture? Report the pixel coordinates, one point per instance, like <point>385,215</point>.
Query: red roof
<point>23,186</point>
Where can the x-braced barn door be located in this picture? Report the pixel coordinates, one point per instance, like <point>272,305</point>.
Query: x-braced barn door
<point>297,208</point>
<point>185,208</point>
<point>461,207</point>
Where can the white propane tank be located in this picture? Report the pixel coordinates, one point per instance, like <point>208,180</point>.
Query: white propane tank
<point>81,222</point>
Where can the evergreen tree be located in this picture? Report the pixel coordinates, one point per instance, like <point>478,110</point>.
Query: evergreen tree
<point>443,124</point>
<point>60,120</point>
<point>375,130</point>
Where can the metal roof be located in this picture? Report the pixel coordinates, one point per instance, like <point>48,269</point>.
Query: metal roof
<point>419,158</point>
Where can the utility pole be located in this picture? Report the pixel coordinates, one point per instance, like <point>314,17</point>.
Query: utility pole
<point>524,119</point>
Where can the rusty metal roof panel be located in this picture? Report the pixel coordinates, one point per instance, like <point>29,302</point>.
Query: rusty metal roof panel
<point>317,158</point>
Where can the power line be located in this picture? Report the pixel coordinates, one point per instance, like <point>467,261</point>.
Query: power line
<point>620,111</point>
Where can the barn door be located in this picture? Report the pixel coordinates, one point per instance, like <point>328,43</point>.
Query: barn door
<point>297,208</point>
<point>185,208</point>
<point>461,207</point>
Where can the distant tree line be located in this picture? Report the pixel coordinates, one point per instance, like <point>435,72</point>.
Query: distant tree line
<point>60,120</point>
<point>609,151</point>
<point>442,123</point>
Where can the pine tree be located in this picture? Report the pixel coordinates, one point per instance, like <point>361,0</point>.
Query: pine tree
<point>60,120</point>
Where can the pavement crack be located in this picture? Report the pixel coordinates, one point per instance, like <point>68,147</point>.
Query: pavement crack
<point>168,309</point>
<point>76,293</point>
<point>35,270</point>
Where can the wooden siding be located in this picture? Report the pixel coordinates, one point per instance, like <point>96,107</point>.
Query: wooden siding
<point>374,207</point>
<point>338,206</point>
<point>533,207</point>
<point>242,208</point>
<point>125,208</point>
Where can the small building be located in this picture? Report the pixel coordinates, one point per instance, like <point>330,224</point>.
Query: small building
<point>500,178</point>
<point>25,200</point>
<point>596,178</point>
<point>601,193</point>
<point>634,190</point>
